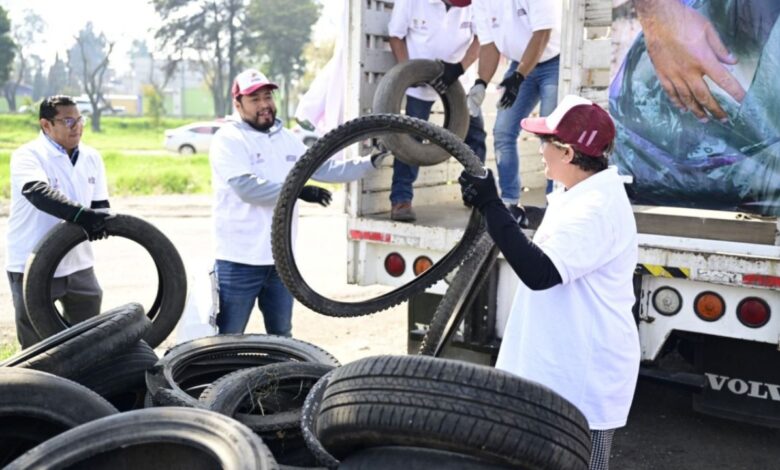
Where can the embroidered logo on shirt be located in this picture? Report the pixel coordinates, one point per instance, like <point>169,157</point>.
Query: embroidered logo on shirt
<point>418,23</point>
<point>291,158</point>
<point>258,158</point>
<point>54,183</point>
<point>494,22</point>
<point>91,180</point>
<point>521,12</point>
<point>465,25</point>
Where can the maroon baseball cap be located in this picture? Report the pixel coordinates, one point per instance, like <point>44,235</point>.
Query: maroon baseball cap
<point>250,80</point>
<point>578,122</point>
<point>460,3</point>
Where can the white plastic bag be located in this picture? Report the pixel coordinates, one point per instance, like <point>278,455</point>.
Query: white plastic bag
<point>199,318</point>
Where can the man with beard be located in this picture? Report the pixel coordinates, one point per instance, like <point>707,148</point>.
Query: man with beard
<point>250,158</point>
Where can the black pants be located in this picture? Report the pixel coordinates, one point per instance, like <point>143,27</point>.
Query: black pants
<point>79,293</point>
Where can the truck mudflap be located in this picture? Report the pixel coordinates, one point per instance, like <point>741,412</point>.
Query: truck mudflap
<point>742,380</point>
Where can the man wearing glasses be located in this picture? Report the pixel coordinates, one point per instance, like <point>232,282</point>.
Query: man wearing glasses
<point>54,177</point>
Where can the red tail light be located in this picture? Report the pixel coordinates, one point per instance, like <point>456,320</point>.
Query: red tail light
<point>395,264</point>
<point>753,312</point>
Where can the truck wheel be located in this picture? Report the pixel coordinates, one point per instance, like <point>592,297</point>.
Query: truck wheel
<point>390,93</point>
<point>468,281</point>
<point>454,406</point>
<point>349,133</point>
<point>36,406</point>
<point>414,458</point>
<point>186,370</point>
<point>72,351</point>
<point>172,279</point>
<point>154,438</point>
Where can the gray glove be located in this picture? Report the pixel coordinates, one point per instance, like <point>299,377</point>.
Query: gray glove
<point>378,155</point>
<point>476,97</point>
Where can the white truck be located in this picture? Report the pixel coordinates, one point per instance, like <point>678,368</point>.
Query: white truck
<point>708,306</point>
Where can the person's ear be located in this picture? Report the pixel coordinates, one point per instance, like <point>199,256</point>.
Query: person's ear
<point>568,154</point>
<point>45,125</point>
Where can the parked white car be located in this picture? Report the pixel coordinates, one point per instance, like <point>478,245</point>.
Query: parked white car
<point>192,138</point>
<point>196,137</point>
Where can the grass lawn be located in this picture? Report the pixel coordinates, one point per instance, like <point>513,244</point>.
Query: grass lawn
<point>7,350</point>
<point>124,144</point>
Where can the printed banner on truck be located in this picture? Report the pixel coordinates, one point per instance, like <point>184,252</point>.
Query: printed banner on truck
<point>695,95</point>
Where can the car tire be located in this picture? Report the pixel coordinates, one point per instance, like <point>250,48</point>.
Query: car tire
<point>389,95</point>
<point>168,304</point>
<point>454,406</point>
<point>36,406</point>
<point>349,133</point>
<point>186,149</point>
<point>154,438</point>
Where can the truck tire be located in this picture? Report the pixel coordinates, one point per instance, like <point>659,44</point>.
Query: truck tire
<point>460,294</point>
<point>151,439</point>
<point>36,406</point>
<point>72,351</point>
<point>186,370</point>
<point>414,458</point>
<point>121,377</point>
<point>172,279</point>
<point>309,413</point>
<point>389,95</point>
<point>348,133</point>
<point>454,406</point>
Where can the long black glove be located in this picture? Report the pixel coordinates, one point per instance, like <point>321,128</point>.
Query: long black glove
<point>448,76</point>
<point>315,194</point>
<point>93,222</point>
<point>527,260</point>
<point>478,190</point>
<point>511,86</point>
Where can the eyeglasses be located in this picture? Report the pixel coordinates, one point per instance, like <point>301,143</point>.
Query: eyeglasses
<point>71,122</point>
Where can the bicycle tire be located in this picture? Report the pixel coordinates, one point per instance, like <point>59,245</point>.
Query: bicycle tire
<point>334,141</point>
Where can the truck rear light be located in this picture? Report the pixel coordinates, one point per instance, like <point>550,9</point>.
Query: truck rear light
<point>395,264</point>
<point>667,301</point>
<point>709,306</point>
<point>421,264</point>
<point>753,312</point>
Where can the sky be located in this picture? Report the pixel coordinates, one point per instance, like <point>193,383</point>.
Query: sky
<point>121,22</point>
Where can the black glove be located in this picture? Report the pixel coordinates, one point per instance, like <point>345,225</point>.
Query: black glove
<point>511,87</point>
<point>478,191</point>
<point>448,76</point>
<point>315,194</point>
<point>93,222</point>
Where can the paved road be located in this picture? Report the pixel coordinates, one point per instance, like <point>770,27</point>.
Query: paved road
<point>663,432</point>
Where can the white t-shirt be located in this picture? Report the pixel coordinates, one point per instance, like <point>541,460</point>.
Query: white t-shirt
<point>510,23</point>
<point>431,32</point>
<point>242,231</point>
<point>579,338</point>
<point>42,160</point>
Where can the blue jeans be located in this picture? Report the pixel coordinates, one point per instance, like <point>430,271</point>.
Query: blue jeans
<point>405,175</point>
<point>540,85</point>
<point>239,286</point>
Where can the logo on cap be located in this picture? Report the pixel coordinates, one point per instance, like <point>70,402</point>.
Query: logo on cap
<point>248,81</point>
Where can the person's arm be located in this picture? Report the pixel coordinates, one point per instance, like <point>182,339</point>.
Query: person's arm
<point>254,190</point>
<point>488,61</point>
<point>399,49</point>
<point>533,51</point>
<point>684,46</point>
<point>53,202</point>
<point>472,54</point>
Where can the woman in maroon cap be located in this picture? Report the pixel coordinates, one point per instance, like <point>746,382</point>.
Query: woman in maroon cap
<point>571,327</point>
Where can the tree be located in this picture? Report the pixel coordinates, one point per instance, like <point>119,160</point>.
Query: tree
<point>89,59</point>
<point>153,98</point>
<point>58,77</point>
<point>39,79</point>
<point>284,29</point>
<point>216,31</point>
<point>7,47</point>
<point>25,34</point>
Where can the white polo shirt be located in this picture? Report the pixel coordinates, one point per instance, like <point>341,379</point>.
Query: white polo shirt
<point>431,32</point>
<point>42,160</point>
<point>510,23</point>
<point>579,338</point>
<point>242,231</point>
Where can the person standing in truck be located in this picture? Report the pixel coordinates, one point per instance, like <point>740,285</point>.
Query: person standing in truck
<point>56,177</point>
<point>528,33</point>
<point>571,326</point>
<point>250,158</point>
<point>439,30</point>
